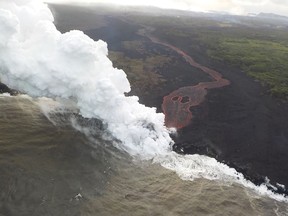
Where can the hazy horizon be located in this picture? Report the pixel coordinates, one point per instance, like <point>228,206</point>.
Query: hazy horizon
<point>238,7</point>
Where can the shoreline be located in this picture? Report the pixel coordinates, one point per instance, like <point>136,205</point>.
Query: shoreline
<point>237,124</point>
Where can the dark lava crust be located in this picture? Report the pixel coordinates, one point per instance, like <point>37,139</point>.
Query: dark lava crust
<point>243,127</point>
<point>6,89</point>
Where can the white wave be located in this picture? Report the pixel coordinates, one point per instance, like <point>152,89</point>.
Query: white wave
<point>5,95</point>
<point>37,59</point>
<point>190,167</point>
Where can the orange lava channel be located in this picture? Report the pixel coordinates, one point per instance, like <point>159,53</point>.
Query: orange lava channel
<point>177,105</point>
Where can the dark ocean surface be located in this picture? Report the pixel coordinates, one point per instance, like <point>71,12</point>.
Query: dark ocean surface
<point>52,169</point>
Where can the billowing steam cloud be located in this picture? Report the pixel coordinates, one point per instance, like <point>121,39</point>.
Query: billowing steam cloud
<point>37,59</point>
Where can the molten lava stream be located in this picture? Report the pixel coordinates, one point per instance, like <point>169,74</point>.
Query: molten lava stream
<point>177,105</point>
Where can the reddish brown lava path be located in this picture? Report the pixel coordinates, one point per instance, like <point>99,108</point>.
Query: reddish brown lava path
<point>177,105</point>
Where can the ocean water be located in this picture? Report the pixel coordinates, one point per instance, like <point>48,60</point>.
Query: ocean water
<point>49,168</point>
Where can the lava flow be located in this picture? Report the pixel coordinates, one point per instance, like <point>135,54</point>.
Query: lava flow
<point>177,105</point>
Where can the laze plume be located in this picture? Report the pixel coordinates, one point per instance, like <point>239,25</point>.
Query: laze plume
<point>37,59</point>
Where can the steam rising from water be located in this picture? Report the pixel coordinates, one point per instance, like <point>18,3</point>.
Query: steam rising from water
<point>37,59</point>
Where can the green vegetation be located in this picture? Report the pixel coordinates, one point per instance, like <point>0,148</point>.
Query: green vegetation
<point>263,60</point>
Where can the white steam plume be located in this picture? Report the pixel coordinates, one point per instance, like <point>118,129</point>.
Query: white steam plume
<point>37,59</point>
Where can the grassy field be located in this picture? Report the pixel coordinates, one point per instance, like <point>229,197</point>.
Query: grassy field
<point>261,53</point>
<point>264,60</point>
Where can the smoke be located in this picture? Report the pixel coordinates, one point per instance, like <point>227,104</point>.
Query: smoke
<point>37,59</point>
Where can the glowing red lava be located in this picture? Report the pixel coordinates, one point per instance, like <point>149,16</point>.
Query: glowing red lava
<point>177,105</point>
